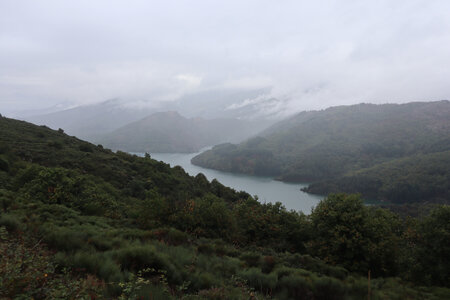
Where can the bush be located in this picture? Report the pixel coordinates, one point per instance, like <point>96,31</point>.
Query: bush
<point>264,283</point>
<point>176,237</point>
<point>4,166</point>
<point>203,280</point>
<point>152,292</point>
<point>63,238</point>
<point>135,257</point>
<point>10,222</point>
<point>6,199</point>
<point>139,257</point>
<point>55,144</point>
<point>297,287</point>
<point>328,288</point>
<point>85,148</point>
<point>251,259</point>
<point>267,264</point>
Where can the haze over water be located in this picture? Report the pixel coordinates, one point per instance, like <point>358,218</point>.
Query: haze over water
<point>266,188</point>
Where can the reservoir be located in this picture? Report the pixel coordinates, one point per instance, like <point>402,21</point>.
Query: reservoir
<point>266,188</point>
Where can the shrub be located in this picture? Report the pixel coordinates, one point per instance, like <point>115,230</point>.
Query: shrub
<point>213,294</point>
<point>55,144</point>
<point>337,272</point>
<point>205,249</point>
<point>267,264</point>
<point>10,222</point>
<point>203,280</point>
<point>6,198</point>
<point>176,237</point>
<point>264,283</point>
<point>153,292</point>
<point>4,166</point>
<point>227,266</point>
<point>63,238</point>
<point>297,287</point>
<point>139,257</point>
<point>328,288</point>
<point>283,271</point>
<point>251,259</point>
<point>136,257</point>
<point>85,148</point>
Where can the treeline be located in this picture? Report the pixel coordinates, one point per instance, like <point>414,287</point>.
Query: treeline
<point>80,221</point>
<point>408,180</point>
<point>397,153</point>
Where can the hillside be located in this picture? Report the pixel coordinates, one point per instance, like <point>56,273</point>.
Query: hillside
<point>79,221</point>
<point>88,121</point>
<point>170,132</point>
<point>325,146</point>
<point>92,121</point>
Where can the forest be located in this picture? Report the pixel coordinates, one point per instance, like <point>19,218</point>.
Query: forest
<point>80,221</point>
<point>397,153</point>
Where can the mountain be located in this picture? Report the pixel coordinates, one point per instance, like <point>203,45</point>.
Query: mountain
<point>330,146</point>
<point>78,221</point>
<point>88,121</point>
<point>171,132</point>
<point>227,103</point>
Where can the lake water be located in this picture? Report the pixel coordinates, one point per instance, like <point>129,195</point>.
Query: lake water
<point>267,189</point>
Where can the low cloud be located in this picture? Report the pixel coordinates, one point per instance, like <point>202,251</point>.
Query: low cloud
<point>310,55</point>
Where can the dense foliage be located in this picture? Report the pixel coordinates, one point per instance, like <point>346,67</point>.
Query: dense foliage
<point>78,221</point>
<point>398,153</point>
<point>407,180</point>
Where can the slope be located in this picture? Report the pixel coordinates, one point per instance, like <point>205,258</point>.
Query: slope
<point>170,132</point>
<point>90,223</point>
<point>89,121</point>
<point>323,145</point>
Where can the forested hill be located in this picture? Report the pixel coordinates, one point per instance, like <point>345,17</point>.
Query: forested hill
<point>327,147</point>
<point>171,132</point>
<point>78,221</point>
<point>89,121</point>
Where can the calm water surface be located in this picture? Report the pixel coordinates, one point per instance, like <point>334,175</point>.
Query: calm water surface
<point>267,189</point>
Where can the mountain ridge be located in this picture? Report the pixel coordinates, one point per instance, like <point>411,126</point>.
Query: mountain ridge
<point>171,132</point>
<point>325,145</point>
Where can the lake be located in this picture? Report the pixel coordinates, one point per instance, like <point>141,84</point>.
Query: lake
<point>267,189</point>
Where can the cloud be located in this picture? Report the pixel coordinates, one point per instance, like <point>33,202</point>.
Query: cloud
<point>191,81</point>
<point>311,54</point>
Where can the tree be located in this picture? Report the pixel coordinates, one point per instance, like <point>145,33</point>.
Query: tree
<point>432,248</point>
<point>358,237</point>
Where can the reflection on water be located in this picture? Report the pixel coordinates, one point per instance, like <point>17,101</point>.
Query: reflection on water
<point>267,189</point>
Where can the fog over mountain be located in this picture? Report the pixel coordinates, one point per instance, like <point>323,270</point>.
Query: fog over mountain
<point>306,55</point>
<point>91,121</point>
<point>169,132</point>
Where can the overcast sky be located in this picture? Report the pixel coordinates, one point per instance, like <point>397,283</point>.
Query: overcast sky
<point>312,54</point>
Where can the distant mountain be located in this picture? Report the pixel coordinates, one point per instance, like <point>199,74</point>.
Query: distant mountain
<point>89,121</point>
<point>224,103</point>
<point>31,112</point>
<point>171,132</point>
<point>328,145</point>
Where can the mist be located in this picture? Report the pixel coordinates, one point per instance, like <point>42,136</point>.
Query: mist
<point>303,55</point>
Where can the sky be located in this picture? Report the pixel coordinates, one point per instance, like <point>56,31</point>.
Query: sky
<point>310,54</point>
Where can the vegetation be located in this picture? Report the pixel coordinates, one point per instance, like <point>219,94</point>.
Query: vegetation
<point>78,221</point>
<point>398,153</point>
<point>407,180</point>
